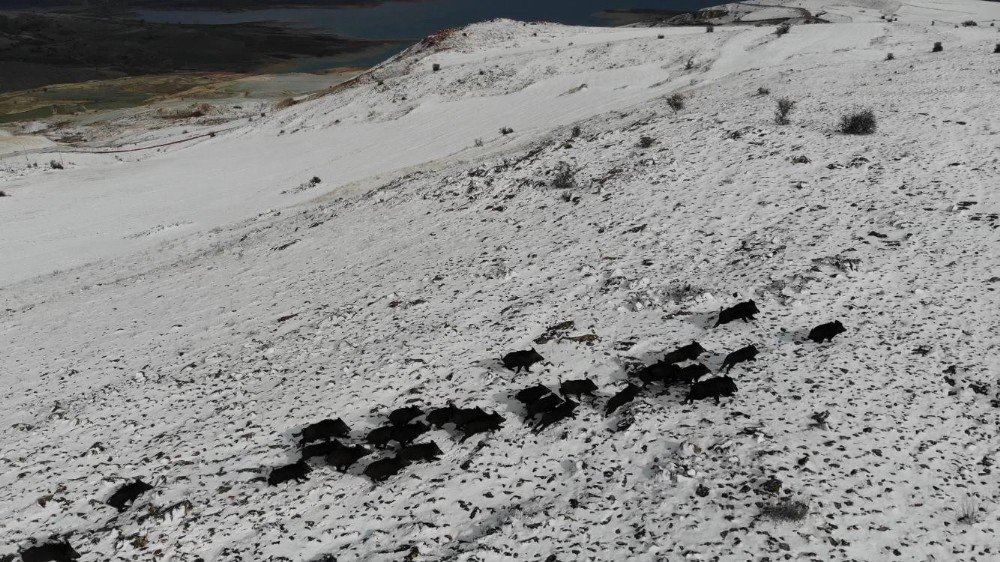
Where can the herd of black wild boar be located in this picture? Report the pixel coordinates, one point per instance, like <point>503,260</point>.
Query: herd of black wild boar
<point>543,408</point>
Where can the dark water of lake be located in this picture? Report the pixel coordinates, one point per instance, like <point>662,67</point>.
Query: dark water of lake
<point>411,21</point>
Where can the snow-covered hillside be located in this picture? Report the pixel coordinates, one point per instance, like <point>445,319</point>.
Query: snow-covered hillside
<point>178,314</point>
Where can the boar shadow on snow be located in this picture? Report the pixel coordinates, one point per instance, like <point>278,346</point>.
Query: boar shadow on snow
<point>420,452</point>
<point>127,494</point>
<point>384,469</point>
<point>55,551</point>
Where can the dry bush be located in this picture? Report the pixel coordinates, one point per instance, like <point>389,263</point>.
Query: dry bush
<point>676,102</point>
<point>785,107</point>
<point>858,122</point>
<point>785,511</point>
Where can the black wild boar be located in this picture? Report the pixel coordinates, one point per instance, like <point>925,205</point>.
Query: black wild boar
<point>826,332</point>
<point>744,311</point>
<point>577,388</point>
<point>403,416</point>
<point>748,353</point>
<point>298,472</point>
<point>60,551</point>
<point>439,417</point>
<point>626,395</point>
<point>380,436</point>
<point>383,469</point>
<point>691,373</point>
<point>542,405</point>
<point>688,352</point>
<point>465,416</point>
<point>127,494</point>
<point>485,425</point>
<point>532,393</point>
<point>320,449</point>
<point>659,372</point>
<point>565,410</point>
<point>517,360</point>
<point>343,457</point>
<point>406,434</point>
<point>711,388</point>
<point>420,452</point>
<point>325,430</point>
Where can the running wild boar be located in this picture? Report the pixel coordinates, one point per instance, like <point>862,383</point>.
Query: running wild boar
<point>748,353</point>
<point>711,388</point>
<point>517,360</point>
<point>826,332</point>
<point>744,311</point>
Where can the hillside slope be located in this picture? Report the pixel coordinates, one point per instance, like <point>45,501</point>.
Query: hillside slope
<point>173,316</point>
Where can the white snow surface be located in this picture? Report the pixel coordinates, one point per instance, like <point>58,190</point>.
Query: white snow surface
<point>177,314</point>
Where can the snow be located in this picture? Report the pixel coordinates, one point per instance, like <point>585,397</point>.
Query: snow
<point>142,293</point>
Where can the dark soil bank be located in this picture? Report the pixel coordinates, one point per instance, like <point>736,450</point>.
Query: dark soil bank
<point>38,49</point>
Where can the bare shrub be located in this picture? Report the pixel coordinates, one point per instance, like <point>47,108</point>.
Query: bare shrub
<point>937,47</point>
<point>858,122</point>
<point>676,102</point>
<point>785,107</point>
<point>785,511</point>
<point>55,165</point>
<point>689,64</point>
<point>996,50</point>
<point>287,102</point>
<point>968,511</point>
<point>763,91</point>
<point>565,176</point>
<point>709,28</point>
<point>576,131</point>
<point>646,141</point>
<point>506,131</point>
<point>783,29</point>
<point>436,67</point>
<point>890,56</point>
<point>969,23</point>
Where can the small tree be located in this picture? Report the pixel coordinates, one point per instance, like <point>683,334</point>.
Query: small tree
<point>858,122</point>
<point>937,47</point>
<point>676,102</point>
<point>576,131</point>
<point>785,106</point>
<point>890,56</point>
<point>996,50</point>
<point>565,176</point>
